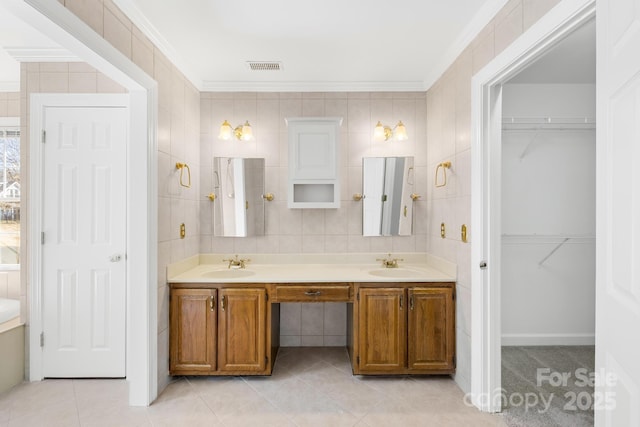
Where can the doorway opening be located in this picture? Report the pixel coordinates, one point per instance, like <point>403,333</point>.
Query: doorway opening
<point>548,235</point>
<point>65,29</point>
<point>495,215</point>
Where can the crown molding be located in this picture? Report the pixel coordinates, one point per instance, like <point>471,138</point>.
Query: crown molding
<point>480,20</point>
<point>41,54</point>
<point>284,86</point>
<point>148,29</point>
<point>9,86</point>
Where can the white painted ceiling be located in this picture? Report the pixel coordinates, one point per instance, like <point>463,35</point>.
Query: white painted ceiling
<point>18,38</point>
<point>572,60</point>
<point>323,45</point>
<point>328,45</point>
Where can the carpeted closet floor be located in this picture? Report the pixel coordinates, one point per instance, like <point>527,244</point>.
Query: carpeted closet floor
<point>548,386</point>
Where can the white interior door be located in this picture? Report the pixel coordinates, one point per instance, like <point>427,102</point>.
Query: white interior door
<point>84,238</point>
<point>617,399</point>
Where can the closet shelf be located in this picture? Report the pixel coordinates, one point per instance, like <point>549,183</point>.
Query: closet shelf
<point>548,123</point>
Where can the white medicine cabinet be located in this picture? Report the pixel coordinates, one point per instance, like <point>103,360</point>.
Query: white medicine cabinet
<point>314,174</point>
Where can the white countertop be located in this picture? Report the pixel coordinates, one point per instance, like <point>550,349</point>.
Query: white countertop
<point>311,268</point>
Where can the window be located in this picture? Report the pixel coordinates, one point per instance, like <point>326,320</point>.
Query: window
<point>9,195</point>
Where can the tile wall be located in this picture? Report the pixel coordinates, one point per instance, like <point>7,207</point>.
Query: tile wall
<point>178,141</point>
<point>313,230</point>
<point>9,104</point>
<point>448,105</point>
<point>448,136</point>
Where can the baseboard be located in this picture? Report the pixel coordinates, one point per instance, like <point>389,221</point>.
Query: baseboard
<point>547,339</point>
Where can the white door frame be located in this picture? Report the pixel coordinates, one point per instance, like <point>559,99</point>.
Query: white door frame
<point>486,154</point>
<point>62,26</point>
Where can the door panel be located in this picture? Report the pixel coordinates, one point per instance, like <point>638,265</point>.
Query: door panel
<point>193,330</point>
<point>242,333</point>
<point>84,225</point>
<point>431,317</point>
<point>618,213</point>
<point>382,331</point>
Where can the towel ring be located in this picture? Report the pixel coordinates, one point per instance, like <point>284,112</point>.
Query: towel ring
<point>182,167</point>
<point>444,166</point>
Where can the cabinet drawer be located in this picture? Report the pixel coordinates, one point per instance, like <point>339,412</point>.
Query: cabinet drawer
<point>311,293</point>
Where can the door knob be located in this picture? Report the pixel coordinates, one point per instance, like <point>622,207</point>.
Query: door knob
<point>115,258</point>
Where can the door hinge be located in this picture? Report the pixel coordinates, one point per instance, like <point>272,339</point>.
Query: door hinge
<point>42,237</point>
<point>267,294</point>
<point>454,360</point>
<point>41,339</point>
<point>266,360</point>
<point>453,296</point>
<point>358,295</point>
<point>44,136</point>
<point>358,360</point>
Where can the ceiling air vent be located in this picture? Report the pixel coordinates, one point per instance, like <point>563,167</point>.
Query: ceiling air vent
<point>264,65</point>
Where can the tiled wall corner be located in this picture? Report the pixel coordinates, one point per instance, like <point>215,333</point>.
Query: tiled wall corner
<point>178,137</point>
<point>449,119</point>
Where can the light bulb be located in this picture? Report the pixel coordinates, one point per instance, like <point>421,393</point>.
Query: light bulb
<point>401,132</point>
<point>378,132</point>
<point>247,132</point>
<point>225,131</point>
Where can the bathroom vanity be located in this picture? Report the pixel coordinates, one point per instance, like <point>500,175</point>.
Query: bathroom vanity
<point>224,319</point>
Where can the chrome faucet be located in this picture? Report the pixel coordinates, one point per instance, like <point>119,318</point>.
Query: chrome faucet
<point>389,262</point>
<point>236,263</point>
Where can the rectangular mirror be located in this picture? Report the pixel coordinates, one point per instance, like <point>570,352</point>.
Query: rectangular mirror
<point>387,204</point>
<point>238,184</point>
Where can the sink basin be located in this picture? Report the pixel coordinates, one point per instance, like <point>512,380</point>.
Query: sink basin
<point>228,274</point>
<point>399,273</point>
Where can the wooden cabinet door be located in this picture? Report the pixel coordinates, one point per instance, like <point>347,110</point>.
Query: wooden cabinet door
<point>431,329</point>
<point>193,330</point>
<point>381,329</point>
<point>242,330</point>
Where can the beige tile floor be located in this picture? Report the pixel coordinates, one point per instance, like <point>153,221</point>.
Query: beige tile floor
<point>309,387</point>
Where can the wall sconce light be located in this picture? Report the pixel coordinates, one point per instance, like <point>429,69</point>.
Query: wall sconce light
<point>383,133</point>
<point>241,132</point>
